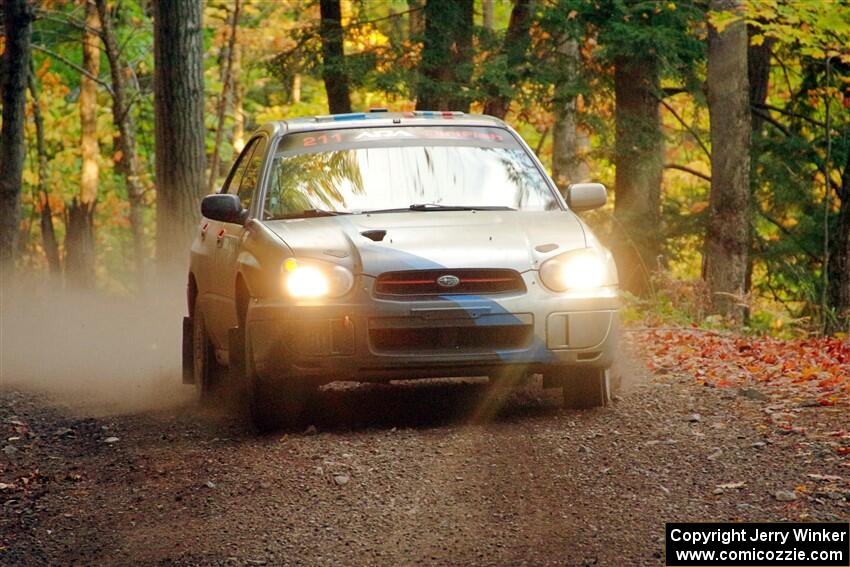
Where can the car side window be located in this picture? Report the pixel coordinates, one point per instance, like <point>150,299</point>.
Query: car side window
<point>238,170</point>
<point>252,174</point>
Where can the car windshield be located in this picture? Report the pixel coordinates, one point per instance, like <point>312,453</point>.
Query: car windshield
<point>415,169</point>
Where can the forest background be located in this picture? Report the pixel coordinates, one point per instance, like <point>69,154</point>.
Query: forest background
<point>720,127</point>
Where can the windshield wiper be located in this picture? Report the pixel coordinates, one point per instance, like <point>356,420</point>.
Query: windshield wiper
<point>310,213</point>
<point>437,207</point>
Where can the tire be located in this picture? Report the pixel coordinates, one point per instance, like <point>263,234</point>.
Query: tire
<point>275,403</point>
<point>586,388</point>
<point>206,370</point>
<point>280,403</point>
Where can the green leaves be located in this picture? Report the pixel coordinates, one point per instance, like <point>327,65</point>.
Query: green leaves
<point>818,29</point>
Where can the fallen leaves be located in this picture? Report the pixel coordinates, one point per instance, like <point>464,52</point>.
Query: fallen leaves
<point>815,370</point>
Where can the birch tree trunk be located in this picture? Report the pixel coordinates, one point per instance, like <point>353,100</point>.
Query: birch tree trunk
<point>727,240</point>
<point>238,140</point>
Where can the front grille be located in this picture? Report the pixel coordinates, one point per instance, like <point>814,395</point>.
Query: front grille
<point>469,281</point>
<point>464,339</point>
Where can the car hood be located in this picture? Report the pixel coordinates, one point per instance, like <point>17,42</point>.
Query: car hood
<point>518,240</point>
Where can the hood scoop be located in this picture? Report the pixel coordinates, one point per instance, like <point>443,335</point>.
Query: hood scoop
<point>376,235</point>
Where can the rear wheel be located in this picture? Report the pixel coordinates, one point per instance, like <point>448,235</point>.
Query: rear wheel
<point>586,388</point>
<point>206,370</point>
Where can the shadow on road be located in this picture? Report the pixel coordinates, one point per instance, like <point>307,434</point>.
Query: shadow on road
<point>425,404</point>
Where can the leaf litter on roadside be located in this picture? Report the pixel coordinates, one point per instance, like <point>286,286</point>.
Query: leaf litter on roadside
<point>788,373</point>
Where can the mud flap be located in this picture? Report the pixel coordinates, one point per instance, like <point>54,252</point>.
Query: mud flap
<point>236,354</point>
<point>188,351</point>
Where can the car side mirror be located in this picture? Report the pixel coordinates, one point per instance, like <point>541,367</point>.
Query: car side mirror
<point>586,196</point>
<point>223,207</point>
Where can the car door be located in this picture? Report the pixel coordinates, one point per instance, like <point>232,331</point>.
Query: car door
<point>231,237</point>
<point>212,233</point>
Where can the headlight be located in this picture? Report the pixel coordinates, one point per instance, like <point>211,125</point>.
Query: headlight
<point>579,270</point>
<point>312,279</point>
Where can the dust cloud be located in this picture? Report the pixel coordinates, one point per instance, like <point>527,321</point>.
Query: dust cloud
<point>93,350</point>
<point>629,370</point>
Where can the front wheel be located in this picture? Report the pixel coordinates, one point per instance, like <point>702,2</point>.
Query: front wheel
<point>586,388</point>
<point>278,402</point>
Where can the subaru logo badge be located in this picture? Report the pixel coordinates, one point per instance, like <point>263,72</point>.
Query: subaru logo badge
<point>448,281</point>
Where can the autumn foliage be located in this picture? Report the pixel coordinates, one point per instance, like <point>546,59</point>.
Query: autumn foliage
<point>811,371</point>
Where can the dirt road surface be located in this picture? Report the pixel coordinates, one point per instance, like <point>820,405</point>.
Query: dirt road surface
<point>405,474</point>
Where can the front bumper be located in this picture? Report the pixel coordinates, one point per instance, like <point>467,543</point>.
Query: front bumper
<point>365,338</point>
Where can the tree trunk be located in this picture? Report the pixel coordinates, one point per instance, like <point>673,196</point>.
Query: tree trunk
<point>48,234</point>
<point>295,96</point>
<point>415,19</point>
<point>567,165</point>
<point>334,72</point>
<point>446,66</point>
<point>728,236</point>
<point>487,14</point>
<point>224,98</point>
<point>758,72</point>
<point>838,289</point>
<point>238,140</point>
<point>639,161</point>
<point>126,162</point>
<point>179,126</point>
<point>79,239</point>
<point>17,19</point>
<point>515,48</point>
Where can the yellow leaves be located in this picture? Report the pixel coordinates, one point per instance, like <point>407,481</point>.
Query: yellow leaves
<point>722,20</point>
<point>361,38</point>
<point>815,29</point>
<point>30,177</point>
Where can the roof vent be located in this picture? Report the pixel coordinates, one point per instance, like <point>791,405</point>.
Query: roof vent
<point>376,235</point>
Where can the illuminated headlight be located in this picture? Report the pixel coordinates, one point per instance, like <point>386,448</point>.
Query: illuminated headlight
<point>579,270</point>
<point>313,279</point>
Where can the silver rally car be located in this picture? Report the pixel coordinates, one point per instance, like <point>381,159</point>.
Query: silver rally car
<point>381,246</point>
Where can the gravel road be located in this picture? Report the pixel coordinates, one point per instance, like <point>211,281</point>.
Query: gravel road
<point>410,474</point>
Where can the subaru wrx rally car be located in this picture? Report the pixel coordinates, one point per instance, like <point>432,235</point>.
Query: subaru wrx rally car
<point>382,246</point>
